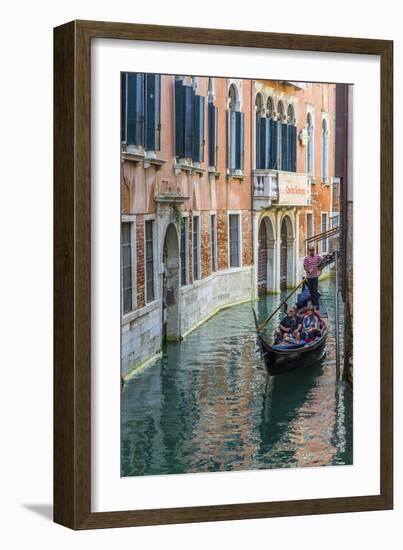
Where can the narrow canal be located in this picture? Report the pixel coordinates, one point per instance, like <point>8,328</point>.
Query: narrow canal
<point>209,405</point>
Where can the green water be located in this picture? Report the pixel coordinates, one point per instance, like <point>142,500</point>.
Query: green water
<point>209,405</point>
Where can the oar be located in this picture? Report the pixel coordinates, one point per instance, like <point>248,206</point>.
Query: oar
<point>264,323</point>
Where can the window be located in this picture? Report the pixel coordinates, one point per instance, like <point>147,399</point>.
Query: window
<point>309,149</point>
<point>196,248</point>
<point>287,154</point>
<point>149,241</point>
<point>325,134</point>
<point>262,135</point>
<point>234,241</point>
<point>213,243</point>
<point>141,110</point>
<point>127,267</point>
<point>189,122</point>
<point>309,227</point>
<point>235,132</point>
<point>324,228</point>
<point>184,252</point>
<point>291,155</point>
<point>212,134</point>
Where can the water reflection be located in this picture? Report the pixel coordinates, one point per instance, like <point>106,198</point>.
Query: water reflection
<point>208,405</point>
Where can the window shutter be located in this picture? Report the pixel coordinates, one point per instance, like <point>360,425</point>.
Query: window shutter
<point>284,146</point>
<point>212,134</point>
<point>153,105</point>
<point>258,137</point>
<point>292,144</point>
<point>239,139</point>
<point>229,136</point>
<point>294,149</point>
<point>264,143</point>
<point>179,119</point>
<point>273,144</point>
<point>135,109</point>
<point>123,113</point>
<point>198,146</point>
<point>325,154</point>
<point>189,121</point>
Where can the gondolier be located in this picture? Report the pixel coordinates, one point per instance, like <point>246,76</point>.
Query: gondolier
<point>311,263</point>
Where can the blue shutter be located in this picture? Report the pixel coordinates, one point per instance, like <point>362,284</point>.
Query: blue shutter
<point>294,149</point>
<point>212,130</point>
<point>153,111</point>
<point>198,145</point>
<point>264,143</point>
<point>284,146</point>
<point>239,139</point>
<point>325,159</point>
<point>229,148</point>
<point>135,109</point>
<point>123,114</point>
<point>258,137</point>
<point>189,121</point>
<point>273,144</point>
<point>179,119</point>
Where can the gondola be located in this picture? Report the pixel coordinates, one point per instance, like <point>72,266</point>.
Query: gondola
<point>281,359</point>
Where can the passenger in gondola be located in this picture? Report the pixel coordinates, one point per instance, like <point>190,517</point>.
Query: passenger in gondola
<point>310,325</point>
<point>290,327</point>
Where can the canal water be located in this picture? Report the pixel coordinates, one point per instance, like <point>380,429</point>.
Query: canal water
<point>209,405</point>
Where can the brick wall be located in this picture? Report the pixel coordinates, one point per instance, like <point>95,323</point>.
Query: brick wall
<point>247,247</point>
<point>140,261</point>
<point>222,239</point>
<point>205,243</point>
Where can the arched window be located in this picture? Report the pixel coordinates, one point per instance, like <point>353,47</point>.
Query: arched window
<point>325,134</point>
<point>280,111</point>
<point>261,134</point>
<point>233,97</point>
<point>270,108</point>
<point>309,149</point>
<point>290,114</point>
<point>235,131</point>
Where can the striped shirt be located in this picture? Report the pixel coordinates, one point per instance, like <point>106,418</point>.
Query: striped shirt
<point>311,265</point>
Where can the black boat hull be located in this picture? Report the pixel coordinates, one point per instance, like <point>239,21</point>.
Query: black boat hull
<point>282,361</point>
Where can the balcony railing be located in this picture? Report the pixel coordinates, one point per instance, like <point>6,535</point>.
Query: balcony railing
<point>279,188</point>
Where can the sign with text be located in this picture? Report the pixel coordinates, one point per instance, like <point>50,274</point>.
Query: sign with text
<point>293,189</point>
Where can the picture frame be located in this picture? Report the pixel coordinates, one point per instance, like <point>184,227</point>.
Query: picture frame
<point>72,274</point>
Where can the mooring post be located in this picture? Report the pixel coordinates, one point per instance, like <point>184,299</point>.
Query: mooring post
<point>337,323</point>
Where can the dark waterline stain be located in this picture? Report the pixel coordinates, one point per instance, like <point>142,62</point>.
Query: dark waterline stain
<point>208,404</point>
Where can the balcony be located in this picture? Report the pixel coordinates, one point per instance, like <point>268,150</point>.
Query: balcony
<point>278,188</point>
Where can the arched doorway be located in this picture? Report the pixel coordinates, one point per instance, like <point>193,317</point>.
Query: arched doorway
<point>265,257</point>
<point>286,254</point>
<point>171,285</point>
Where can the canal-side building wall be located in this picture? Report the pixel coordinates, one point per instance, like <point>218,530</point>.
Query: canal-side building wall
<point>186,206</point>
<point>216,188</point>
<point>294,183</point>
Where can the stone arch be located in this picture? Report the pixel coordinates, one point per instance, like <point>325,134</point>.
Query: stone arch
<point>287,252</point>
<point>270,107</point>
<point>171,284</point>
<point>259,105</point>
<point>280,110</point>
<point>291,114</point>
<point>266,256</point>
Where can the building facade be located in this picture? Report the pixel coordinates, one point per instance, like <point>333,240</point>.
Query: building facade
<point>294,188</point>
<point>221,181</point>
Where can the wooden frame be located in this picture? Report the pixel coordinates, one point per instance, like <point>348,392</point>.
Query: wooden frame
<point>72,320</point>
